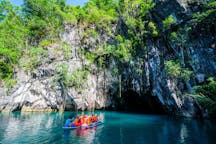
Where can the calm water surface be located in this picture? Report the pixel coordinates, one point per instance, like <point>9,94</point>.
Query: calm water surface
<point>118,128</point>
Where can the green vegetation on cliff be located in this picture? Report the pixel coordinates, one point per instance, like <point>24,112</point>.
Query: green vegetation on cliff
<point>28,30</point>
<point>13,38</point>
<point>175,70</point>
<point>206,95</point>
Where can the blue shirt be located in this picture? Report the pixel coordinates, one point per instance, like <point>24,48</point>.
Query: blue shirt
<point>67,123</point>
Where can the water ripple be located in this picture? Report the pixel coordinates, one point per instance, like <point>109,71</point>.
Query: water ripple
<point>119,128</point>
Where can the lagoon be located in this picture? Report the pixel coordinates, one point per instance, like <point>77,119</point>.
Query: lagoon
<point>118,128</point>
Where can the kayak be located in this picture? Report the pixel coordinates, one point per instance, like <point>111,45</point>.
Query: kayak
<point>84,127</point>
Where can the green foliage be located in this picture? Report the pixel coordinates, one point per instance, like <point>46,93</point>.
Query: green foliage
<point>45,43</point>
<point>10,83</point>
<point>109,49</point>
<point>123,50</point>
<point>33,58</point>
<point>6,70</point>
<point>211,4</point>
<point>208,9</point>
<point>39,22</point>
<point>137,7</point>
<point>12,39</point>
<point>62,75</point>
<point>167,22</point>
<point>139,71</point>
<point>101,62</point>
<point>70,78</point>
<point>79,77</point>
<point>67,50</point>
<point>5,6</point>
<point>90,57</point>
<point>180,37</point>
<point>115,71</point>
<point>48,42</point>
<point>37,51</point>
<point>208,89</point>
<point>74,14</point>
<point>12,36</point>
<point>135,13</point>
<point>131,22</point>
<point>98,16</point>
<point>101,12</point>
<point>200,16</point>
<point>120,51</point>
<point>206,95</point>
<point>45,18</point>
<point>91,33</point>
<point>68,14</point>
<point>186,73</point>
<point>173,36</point>
<point>153,28</point>
<point>38,28</point>
<point>174,70</point>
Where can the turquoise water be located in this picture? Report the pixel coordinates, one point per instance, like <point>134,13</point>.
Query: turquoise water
<point>118,128</point>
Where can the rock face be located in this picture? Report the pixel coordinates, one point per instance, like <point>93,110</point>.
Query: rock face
<point>154,90</point>
<point>148,89</point>
<point>38,91</point>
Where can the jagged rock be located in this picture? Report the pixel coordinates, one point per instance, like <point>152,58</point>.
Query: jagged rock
<point>37,91</point>
<point>200,78</point>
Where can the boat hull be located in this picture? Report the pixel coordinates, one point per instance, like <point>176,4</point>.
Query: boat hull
<point>84,127</point>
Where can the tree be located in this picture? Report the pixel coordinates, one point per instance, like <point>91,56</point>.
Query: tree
<point>12,39</point>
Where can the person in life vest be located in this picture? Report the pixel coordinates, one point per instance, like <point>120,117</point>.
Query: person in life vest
<point>89,120</point>
<point>78,121</point>
<point>94,118</point>
<point>84,121</point>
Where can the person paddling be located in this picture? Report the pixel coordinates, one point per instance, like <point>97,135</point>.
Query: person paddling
<point>94,118</point>
<point>68,122</point>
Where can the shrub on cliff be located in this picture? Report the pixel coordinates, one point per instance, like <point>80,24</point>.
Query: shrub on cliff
<point>167,22</point>
<point>207,95</point>
<point>175,70</point>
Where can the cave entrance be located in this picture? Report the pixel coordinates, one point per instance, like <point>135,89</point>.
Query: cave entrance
<point>131,101</point>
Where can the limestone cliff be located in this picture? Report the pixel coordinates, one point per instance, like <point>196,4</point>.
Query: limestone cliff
<point>141,84</point>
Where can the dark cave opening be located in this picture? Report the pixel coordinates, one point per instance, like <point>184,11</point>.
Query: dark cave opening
<point>133,102</point>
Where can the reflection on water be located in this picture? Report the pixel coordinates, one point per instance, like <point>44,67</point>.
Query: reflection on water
<point>85,136</point>
<point>22,127</point>
<point>118,128</point>
<point>183,134</point>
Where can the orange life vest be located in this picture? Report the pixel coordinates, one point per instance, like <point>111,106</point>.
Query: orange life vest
<point>76,122</point>
<point>89,121</point>
<point>94,118</point>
